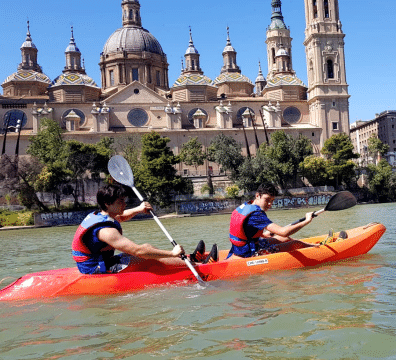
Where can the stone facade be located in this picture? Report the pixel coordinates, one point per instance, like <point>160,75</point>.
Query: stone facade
<point>135,96</point>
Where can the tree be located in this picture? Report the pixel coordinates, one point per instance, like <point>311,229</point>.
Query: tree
<point>382,181</point>
<point>376,146</point>
<point>314,168</point>
<point>156,174</point>
<point>192,153</point>
<point>130,147</point>
<point>339,150</point>
<point>227,152</point>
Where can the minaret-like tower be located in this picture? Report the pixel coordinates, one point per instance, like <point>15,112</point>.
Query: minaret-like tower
<point>131,13</point>
<point>192,59</point>
<point>29,54</point>
<point>278,37</point>
<point>73,57</point>
<point>229,57</point>
<point>327,86</point>
<point>260,81</point>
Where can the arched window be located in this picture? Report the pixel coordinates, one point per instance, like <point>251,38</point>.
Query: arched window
<point>130,14</point>
<point>77,112</point>
<point>326,8</point>
<point>11,119</point>
<point>330,69</point>
<point>273,55</point>
<point>315,9</point>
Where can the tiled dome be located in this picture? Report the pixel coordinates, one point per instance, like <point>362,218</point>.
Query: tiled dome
<point>74,79</point>
<point>284,80</point>
<point>193,79</point>
<point>231,77</point>
<point>28,75</point>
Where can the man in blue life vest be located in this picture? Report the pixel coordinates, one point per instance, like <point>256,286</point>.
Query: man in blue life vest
<point>253,233</point>
<point>100,234</point>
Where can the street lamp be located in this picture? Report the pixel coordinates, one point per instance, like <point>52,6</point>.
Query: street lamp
<point>17,130</point>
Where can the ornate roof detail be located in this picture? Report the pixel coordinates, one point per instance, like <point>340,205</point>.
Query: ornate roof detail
<point>28,75</point>
<point>228,47</point>
<point>132,39</point>
<point>28,41</point>
<point>232,77</point>
<point>193,79</point>
<point>260,76</point>
<point>284,80</point>
<point>277,21</point>
<point>74,79</point>
<point>72,47</point>
<point>191,48</point>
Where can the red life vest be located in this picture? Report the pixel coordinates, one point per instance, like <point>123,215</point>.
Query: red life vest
<point>241,245</point>
<point>87,260</point>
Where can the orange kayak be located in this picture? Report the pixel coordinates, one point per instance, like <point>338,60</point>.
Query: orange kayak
<point>151,273</point>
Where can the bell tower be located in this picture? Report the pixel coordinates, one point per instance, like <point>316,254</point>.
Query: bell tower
<point>327,86</point>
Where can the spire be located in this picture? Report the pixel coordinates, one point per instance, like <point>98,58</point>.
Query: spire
<point>192,58</point>
<point>72,45</point>
<point>29,53</point>
<point>28,41</point>
<point>229,57</point>
<point>131,13</point>
<point>73,56</point>
<point>277,21</point>
<point>260,81</point>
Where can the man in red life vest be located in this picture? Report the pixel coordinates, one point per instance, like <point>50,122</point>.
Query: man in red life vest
<point>100,234</point>
<point>252,232</point>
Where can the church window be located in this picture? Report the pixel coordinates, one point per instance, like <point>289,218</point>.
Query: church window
<point>111,73</point>
<point>191,113</point>
<point>130,14</point>
<point>240,112</point>
<point>335,125</point>
<point>330,69</point>
<point>78,112</point>
<point>273,55</point>
<point>326,8</point>
<point>11,119</point>
<point>135,74</point>
<point>192,65</point>
<point>138,117</point>
<point>291,115</point>
<point>158,78</point>
<point>315,9</point>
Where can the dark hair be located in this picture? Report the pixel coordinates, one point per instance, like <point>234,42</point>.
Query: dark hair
<point>268,189</point>
<point>109,194</point>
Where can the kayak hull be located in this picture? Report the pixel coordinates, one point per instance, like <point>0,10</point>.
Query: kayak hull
<point>151,273</point>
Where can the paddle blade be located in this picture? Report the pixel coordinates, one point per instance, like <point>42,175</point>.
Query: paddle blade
<point>120,170</point>
<point>341,201</point>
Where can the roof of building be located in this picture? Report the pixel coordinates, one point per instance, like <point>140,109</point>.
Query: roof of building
<point>193,79</point>
<point>28,75</point>
<point>132,39</point>
<point>284,80</point>
<point>232,77</point>
<point>74,79</point>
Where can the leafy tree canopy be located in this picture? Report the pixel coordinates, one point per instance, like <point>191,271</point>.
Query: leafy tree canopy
<point>192,153</point>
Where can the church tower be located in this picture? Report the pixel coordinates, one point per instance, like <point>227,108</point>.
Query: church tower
<point>327,87</point>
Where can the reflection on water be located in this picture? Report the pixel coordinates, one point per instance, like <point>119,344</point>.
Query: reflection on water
<point>344,310</point>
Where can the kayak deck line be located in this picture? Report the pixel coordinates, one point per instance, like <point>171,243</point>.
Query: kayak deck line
<point>151,273</point>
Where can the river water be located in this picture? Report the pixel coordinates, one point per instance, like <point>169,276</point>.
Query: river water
<point>344,310</point>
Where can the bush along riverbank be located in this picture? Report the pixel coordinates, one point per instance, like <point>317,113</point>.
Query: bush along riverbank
<point>16,218</point>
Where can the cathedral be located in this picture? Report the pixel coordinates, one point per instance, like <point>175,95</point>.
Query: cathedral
<point>135,96</point>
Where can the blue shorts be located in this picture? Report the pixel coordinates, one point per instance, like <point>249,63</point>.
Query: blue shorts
<point>264,247</point>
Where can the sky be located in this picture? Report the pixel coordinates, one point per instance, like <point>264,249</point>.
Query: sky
<point>369,26</point>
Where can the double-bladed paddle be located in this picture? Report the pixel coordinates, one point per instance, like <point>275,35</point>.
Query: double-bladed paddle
<point>121,172</point>
<point>341,201</point>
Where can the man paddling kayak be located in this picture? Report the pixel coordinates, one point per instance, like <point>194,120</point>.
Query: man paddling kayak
<point>252,232</point>
<point>100,234</point>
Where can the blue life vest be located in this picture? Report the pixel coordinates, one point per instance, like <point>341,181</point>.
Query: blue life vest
<point>88,251</point>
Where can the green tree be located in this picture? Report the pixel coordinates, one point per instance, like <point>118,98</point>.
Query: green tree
<point>227,152</point>
<point>376,146</point>
<point>156,174</point>
<point>382,184</point>
<point>339,150</point>
<point>314,168</point>
<point>192,153</point>
<point>130,147</point>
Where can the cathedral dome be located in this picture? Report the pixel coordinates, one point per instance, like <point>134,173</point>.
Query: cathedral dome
<point>132,39</point>
<point>232,77</point>
<point>193,79</point>
<point>74,79</point>
<point>284,80</point>
<point>28,75</point>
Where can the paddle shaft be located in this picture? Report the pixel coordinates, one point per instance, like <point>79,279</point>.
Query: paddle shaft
<point>316,213</point>
<point>173,242</point>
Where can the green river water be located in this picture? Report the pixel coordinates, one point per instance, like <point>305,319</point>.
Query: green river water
<point>343,310</point>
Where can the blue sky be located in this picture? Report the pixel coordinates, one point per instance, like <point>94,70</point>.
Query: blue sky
<point>369,27</point>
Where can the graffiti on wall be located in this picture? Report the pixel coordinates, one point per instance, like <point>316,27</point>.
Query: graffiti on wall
<point>60,218</point>
<point>301,201</point>
<point>196,207</point>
